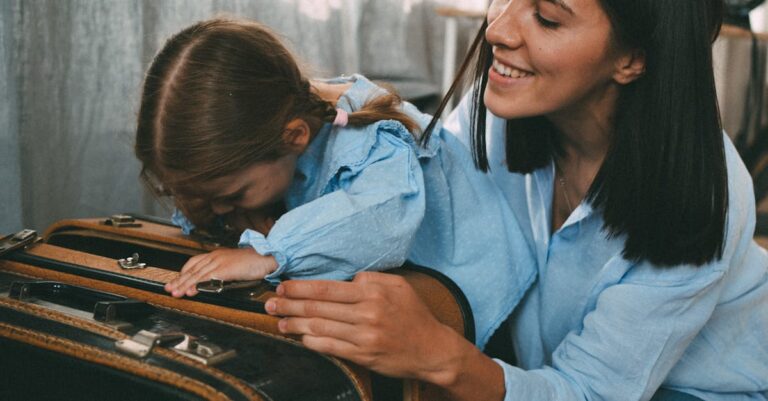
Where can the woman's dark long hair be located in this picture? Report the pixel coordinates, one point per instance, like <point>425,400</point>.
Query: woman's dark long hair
<point>664,182</point>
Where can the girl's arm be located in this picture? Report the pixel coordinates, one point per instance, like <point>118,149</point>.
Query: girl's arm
<point>366,220</point>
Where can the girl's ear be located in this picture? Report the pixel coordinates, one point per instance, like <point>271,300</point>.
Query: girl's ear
<point>630,67</point>
<point>297,135</point>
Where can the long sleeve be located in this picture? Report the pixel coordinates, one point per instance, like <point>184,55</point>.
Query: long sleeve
<point>700,330</point>
<point>629,343</point>
<point>366,220</point>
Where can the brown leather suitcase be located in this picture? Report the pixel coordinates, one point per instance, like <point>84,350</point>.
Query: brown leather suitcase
<point>65,342</point>
<point>134,256</point>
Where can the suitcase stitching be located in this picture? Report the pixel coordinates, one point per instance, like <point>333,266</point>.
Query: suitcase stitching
<point>102,357</point>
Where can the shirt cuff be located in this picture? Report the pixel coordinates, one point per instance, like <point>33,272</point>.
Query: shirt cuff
<point>180,220</point>
<point>261,244</point>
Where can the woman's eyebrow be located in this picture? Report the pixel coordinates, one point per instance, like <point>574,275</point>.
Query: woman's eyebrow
<point>561,4</point>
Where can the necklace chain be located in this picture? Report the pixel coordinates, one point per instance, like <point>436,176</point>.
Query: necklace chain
<point>561,180</point>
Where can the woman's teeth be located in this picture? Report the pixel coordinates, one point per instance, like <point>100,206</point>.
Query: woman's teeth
<point>508,71</point>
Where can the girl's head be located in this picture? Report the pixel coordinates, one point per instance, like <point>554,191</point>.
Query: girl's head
<point>225,112</point>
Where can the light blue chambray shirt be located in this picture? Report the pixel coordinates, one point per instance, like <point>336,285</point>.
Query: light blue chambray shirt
<point>595,326</point>
<point>368,198</point>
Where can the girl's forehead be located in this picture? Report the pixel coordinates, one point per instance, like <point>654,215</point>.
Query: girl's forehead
<point>200,188</point>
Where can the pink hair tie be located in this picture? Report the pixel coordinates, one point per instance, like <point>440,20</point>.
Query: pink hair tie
<point>342,118</point>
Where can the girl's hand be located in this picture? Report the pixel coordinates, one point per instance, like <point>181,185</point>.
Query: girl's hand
<point>379,322</point>
<point>222,264</point>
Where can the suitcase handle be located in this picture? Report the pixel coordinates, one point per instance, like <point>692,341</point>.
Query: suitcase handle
<point>106,307</point>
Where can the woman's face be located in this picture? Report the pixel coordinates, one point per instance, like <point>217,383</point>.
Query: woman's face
<point>550,57</point>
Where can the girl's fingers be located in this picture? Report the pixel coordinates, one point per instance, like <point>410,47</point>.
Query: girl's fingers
<point>194,261</point>
<point>190,267</point>
<point>189,280</point>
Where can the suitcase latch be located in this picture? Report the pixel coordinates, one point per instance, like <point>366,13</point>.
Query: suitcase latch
<point>131,263</point>
<point>142,344</point>
<point>121,220</point>
<point>217,286</point>
<point>18,240</point>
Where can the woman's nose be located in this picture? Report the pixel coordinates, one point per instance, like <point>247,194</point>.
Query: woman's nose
<point>221,208</point>
<point>504,24</point>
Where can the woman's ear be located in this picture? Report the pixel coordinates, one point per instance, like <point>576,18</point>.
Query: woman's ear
<point>297,135</point>
<point>630,66</point>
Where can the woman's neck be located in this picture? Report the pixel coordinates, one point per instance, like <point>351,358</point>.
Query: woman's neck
<point>586,130</point>
<point>584,136</point>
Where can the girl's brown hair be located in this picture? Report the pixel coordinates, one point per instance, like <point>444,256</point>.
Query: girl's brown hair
<point>216,100</point>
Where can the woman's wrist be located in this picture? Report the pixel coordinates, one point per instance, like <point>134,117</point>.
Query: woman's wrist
<point>465,372</point>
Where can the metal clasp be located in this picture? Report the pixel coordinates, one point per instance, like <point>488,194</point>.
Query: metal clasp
<point>217,286</point>
<point>121,220</point>
<point>131,263</point>
<point>202,351</point>
<point>18,240</point>
<point>142,344</point>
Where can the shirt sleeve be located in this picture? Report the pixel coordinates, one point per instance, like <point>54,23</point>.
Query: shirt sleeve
<point>182,221</point>
<point>367,220</point>
<point>628,344</point>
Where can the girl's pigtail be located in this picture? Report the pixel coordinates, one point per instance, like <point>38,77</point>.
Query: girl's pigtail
<point>385,107</point>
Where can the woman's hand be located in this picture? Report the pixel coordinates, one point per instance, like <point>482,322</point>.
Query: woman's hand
<point>222,264</point>
<point>379,322</point>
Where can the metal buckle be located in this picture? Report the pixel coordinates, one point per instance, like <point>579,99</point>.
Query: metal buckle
<point>121,221</point>
<point>19,240</point>
<point>131,263</point>
<point>217,286</point>
<point>142,344</point>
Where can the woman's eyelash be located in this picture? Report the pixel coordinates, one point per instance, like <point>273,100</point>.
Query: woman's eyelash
<point>545,22</point>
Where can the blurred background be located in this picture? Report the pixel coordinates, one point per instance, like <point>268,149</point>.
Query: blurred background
<point>71,72</point>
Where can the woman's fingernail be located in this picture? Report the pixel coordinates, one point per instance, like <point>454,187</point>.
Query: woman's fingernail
<point>280,290</point>
<point>281,325</point>
<point>270,305</point>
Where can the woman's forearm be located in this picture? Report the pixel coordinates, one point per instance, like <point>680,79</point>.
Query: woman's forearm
<point>468,374</point>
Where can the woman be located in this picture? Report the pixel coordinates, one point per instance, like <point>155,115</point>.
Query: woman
<point>604,136</point>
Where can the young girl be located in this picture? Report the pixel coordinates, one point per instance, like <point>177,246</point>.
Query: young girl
<point>232,129</point>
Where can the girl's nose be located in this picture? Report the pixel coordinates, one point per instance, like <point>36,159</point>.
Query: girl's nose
<point>221,208</point>
<point>504,24</point>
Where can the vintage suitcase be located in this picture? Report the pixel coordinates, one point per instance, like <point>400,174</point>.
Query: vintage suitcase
<point>134,256</point>
<point>66,342</point>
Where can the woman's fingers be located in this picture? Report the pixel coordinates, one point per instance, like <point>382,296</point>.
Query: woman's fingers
<point>364,285</point>
<point>333,346</point>
<point>341,312</point>
<point>320,327</point>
